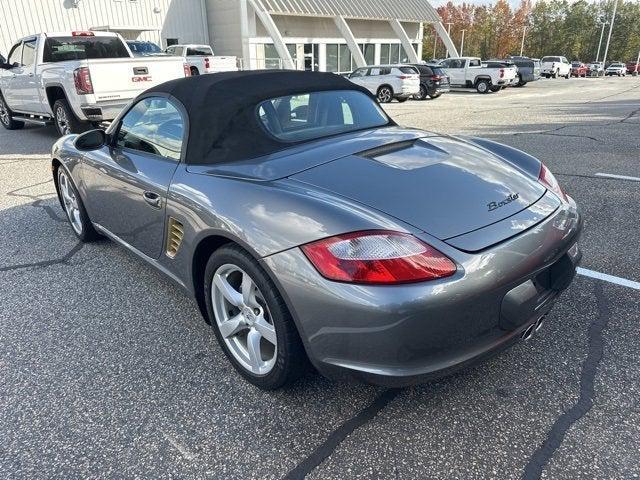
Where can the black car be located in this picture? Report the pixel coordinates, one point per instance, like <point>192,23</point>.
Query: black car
<point>433,81</point>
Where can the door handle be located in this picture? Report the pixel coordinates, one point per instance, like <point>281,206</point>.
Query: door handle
<point>152,199</point>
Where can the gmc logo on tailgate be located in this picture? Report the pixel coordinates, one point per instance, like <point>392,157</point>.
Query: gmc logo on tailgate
<point>143,78</point>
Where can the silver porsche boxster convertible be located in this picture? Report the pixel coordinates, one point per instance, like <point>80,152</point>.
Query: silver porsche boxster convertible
<point>313,230</point>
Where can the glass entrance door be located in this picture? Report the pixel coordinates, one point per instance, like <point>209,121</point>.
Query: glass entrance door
<point>311,57</point>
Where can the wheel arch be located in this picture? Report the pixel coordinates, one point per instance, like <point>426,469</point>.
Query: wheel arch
<point>55,165</point>
<point>55,92</point>
<point>385,85</point>
<point>481,77</point>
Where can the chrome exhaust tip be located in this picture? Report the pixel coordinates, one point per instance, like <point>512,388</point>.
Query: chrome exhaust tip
<point>539,324</point>
<point>528,332</point>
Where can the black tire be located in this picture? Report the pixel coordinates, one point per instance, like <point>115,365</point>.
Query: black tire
<point>194,71</point>
<point>6,117</point>
<point>402,99</point>
<point>423,93</point>
<point>495,88</point>
<point>87,233</point>
<point>65,120</point>
<point>483,86</point>
<point>435,95</point>
<point>384,94</point>
<point>291,360</point>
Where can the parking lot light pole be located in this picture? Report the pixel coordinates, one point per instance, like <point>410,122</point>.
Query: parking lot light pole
<point>462,43</point>
<point>449,32</point>
<point>524,31</point>
<point>613,19</point>
<point>604,24</point>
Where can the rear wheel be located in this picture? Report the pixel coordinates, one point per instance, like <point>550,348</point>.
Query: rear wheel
<point>423,93</point>
<point>194,71</point>
<point>435,95</point>
<point>385,94</point>
<point>65,120</point>
<point>6,117</point>
<point>402,99</point>
<point>495,88</point>
<point>482,86</point>
<point>251,320</point>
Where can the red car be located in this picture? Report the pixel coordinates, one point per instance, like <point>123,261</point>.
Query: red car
<point>578,69</point>
<point>633,67</point>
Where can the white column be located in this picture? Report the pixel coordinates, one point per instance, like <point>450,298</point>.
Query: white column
<point>442,33</point>
<point>274,33</point>
<point>405,40</point>
<point>346,32</point>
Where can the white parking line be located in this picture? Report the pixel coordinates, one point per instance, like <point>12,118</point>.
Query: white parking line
<point>621,177</point>
<point>609,278</point>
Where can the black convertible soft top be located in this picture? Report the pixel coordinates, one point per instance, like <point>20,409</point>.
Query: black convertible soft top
<point>223,122</point>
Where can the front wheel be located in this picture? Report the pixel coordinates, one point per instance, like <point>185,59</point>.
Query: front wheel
<point>73,207</point>
<point>65,120</point>
<point>422,95</point>
<point>6,117</point>
<point>495,88</point>
<point>385,95</point>
<point>483,86</point>
<point>251,320</point>
<point>402,99</point>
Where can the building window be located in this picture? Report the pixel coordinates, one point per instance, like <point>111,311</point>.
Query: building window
<point>333,64</point>
<point>172,41</point>
<point>384,54</point>
<point>369,52</point>
<point>344,59</point>
<point>271,57</point>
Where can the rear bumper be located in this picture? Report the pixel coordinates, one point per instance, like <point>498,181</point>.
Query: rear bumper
<point>101,111</point>
<point>408,334</point>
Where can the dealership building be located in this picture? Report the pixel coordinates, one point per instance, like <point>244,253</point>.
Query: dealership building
<point>322,35</point>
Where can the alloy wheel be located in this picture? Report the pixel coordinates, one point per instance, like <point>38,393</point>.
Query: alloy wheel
<point>384,95</point>
<point>62,122</point>
<point>4,113</point>
<point>243,319</point>
<point>70,201</point>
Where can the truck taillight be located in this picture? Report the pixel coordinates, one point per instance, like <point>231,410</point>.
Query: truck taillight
<point>82,81</point>
<point>187,70</point>
<point>502,73</point>
<point>206,63</point>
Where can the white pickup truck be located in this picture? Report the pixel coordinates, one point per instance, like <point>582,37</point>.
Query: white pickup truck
<point>201,59</point>
<point>470,72</point>
<point>555,67</point>
<point>75,79</point>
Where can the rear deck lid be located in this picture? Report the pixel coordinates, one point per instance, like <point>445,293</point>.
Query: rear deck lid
<point>441,185</point>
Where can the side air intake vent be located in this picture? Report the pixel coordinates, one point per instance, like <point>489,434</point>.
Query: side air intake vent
<point>174,237</point>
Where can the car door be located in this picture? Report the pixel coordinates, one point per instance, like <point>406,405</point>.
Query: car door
<point>127,181</point>
<point>455,71</point>
<point>26,81</point>
<point>9,92</point>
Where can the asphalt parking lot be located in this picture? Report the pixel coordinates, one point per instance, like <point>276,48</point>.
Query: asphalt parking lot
<point>107,370</point>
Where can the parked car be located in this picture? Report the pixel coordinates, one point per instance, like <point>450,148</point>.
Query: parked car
<point>201,59</point>
<point>75,78</point>
<point>555,67</point>
<point>578,69</point>
<point>379,253</point>
<point>595,69</point>
<point>468,72</point>
<point>510,68</point>
<point>387,82</point>
<point>616,68</point>
<point>433,81</point>
<point>528,70</point>
<point>141,48</point>
<point>633,67</point>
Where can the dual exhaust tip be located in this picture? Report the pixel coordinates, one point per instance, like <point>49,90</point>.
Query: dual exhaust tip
<point>532,329</point>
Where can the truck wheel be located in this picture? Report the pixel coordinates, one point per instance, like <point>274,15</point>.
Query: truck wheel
<point>194,71</point>
<point>385,94</point>
<point>482,86</point>
<point>402,99</point>
<point>5,117</point>
<point>495,88</point>
<point>65,120</point>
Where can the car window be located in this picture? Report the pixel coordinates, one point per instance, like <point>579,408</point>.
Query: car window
<point>199,51</point>
<point>361,72</point>
<point>62,49</point>
<point>296,118</point>
<point>29,52</point>
<point>154,125</point>
<point>374,71</point>
<point>474,63</point>
<point>15,55</point>
<point>408,70</point>
<point>385,70</point>
<point>426,70</point>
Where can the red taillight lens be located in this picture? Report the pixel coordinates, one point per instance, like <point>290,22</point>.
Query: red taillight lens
<point>82,81</point>
<point>82,34</point>
<point>378,257</point>
<point>206,63</point>
<point>547,179</point>
<point>436,78</point>
<point>187,70</point>
<point>403,77</point>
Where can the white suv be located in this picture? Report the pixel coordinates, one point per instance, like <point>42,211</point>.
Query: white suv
<point>387,82</point>
<point>555,67</point>
<point>619,69</point>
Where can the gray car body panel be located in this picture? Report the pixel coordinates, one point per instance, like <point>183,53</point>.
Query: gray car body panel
<point>273,205</point>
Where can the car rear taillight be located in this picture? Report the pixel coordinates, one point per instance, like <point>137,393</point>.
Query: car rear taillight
<point>403,77</point>
<point>187,70</point>
<point>206,63</point>
<point>547,179</point>
<point>378,257</point>
<point>82,34</point>
<point>436,78</point>
<point>82,81</point>
<point>502,73</point>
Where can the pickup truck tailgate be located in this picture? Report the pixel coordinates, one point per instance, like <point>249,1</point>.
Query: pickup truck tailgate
<point>115,79</point>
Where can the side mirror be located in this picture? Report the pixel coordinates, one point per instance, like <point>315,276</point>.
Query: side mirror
<point>91,140</point>
<point>3,63</point>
